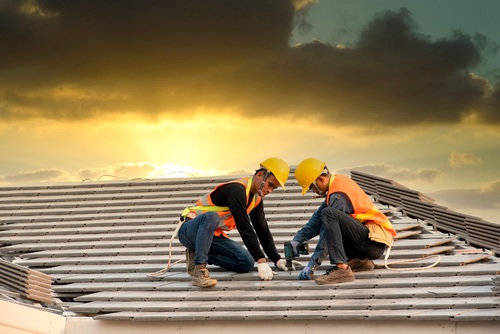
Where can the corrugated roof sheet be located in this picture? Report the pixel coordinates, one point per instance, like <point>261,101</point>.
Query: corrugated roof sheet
<point>98,240</point>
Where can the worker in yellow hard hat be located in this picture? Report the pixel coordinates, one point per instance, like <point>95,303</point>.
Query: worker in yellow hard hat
<point>352,230</point>
<point>235,204</point>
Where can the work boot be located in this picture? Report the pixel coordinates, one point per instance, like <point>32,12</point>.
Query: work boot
<point>361,265</point>
<point>190,261</point>
<point>201,277</point>
<point>336,275</point>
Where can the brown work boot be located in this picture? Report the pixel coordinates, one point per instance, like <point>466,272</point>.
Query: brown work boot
<point>190,261</point>
<point>201,277</point>
<point>361,265</point>
<point>336,275</point>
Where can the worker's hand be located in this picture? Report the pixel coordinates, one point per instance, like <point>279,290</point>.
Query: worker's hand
<point>281,264</point>
<point>306,273</point>
<point>265,272</point>
<point>295,264</point>
<point>294,247</point>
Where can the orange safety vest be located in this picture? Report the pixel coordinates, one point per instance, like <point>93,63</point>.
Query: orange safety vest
<point>364,209</point>
<point>226,222</point>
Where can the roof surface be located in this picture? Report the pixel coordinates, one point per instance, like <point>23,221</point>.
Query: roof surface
<point>99,240</point>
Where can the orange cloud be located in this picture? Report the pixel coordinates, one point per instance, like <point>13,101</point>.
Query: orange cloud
<point>460,159</point>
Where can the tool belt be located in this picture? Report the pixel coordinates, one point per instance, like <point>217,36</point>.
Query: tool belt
<point>379,234</point>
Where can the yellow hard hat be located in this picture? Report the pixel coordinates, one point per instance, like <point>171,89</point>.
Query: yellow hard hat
<point>278,167</point>
<point>308,171</point>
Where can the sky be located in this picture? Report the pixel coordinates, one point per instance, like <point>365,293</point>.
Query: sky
<point>124,89</point>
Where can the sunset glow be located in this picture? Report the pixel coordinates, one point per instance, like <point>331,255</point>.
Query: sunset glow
<point>100,91</point>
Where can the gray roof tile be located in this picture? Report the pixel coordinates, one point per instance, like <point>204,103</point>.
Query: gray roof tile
<point>98,241</point>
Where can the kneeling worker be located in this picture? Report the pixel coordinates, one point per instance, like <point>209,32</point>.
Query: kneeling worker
<point>352,231</point>
<point>236,204</point>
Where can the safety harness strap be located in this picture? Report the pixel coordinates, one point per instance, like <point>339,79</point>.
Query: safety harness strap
<point>207,208</point>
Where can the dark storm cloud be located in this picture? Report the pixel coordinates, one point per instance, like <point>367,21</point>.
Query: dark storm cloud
<point>82,58</point>
<point>393,74</point>
<point>136,55</point>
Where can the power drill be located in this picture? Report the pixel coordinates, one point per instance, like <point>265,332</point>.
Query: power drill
<point>302,249</point>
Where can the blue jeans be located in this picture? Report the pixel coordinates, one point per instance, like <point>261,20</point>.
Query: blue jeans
<point>198,234</point>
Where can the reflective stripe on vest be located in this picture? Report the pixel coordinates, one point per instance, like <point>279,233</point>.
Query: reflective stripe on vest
<point>226,222</point>
<point>364,210</point>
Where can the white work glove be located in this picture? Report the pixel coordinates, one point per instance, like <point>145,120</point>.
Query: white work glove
<point>265,272</point>
<point>281,264</point>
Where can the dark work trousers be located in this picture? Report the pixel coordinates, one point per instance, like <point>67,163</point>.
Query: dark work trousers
<point>347,238</point>
<point>198,234</point>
